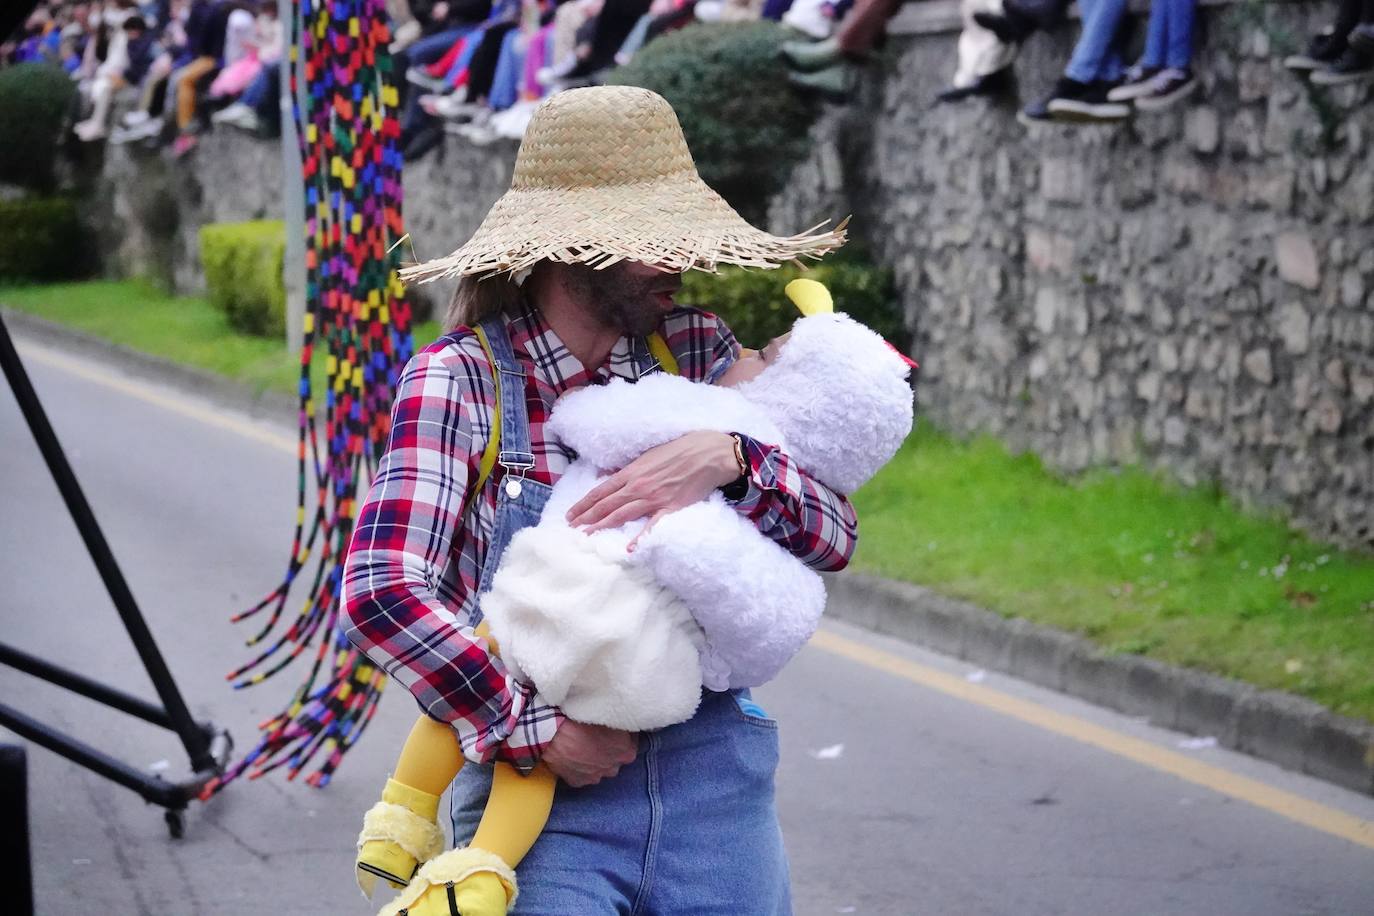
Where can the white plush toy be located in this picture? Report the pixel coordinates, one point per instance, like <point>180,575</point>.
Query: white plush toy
<point>629,639</point>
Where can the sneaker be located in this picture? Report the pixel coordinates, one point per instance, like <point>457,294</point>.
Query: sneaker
<point>809,19</point>
<point>238,115</point>
<point>419,77</point>
<point>144,130</point>
<point>135,118</point>
<point>1350,67</point>
<point>89,130</point>
<point>1322,51</point>
<point>809,56</point>
<point>1137,82</point>
<point>1169,87</point>
<point>183,144</point>
<point>1075,101</point>
<point>406,34</point>
<point>834,83</point>
<point>996,83</point>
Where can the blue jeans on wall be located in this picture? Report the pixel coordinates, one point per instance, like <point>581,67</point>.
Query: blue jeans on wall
<point>1096,56</point>
<point>1169,41</point>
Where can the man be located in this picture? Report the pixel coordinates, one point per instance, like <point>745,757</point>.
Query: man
<point>676,821</point>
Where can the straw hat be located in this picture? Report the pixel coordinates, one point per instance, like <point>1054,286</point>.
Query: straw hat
<point>604,175</point>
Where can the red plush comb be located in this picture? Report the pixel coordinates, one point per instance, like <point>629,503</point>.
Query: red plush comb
<point>911,363</point>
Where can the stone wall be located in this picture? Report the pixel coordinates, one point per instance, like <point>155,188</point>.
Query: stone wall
<point>1191,290</point>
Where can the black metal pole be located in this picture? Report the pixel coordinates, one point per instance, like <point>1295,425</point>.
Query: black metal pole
<point>79,683</point>
<point>152,789</point>
<point>192,737</point>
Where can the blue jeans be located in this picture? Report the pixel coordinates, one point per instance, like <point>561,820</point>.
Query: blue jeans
<point>689,827</point>
<point>505,85</point>
<point>1169,41</point>
<point>1096,56</point>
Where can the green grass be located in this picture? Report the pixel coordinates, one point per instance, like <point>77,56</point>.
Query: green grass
<point>1124,558</point>
<point>1129,560</point>
<point>183,329</point>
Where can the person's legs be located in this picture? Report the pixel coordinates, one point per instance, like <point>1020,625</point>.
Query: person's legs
<point>1179,52</point>
<point>1156,36</point>
<point>505,82</point>
<point>1095,56</point>
<point>864,25</point>
<point>186,89</point>
<point>482,67</point>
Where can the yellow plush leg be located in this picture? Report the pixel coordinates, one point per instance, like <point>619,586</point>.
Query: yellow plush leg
<point>516,812</point>
<point>403,829</point>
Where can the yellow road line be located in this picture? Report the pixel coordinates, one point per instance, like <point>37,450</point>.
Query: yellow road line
<point>150,395</point>
<point>1295,808</point>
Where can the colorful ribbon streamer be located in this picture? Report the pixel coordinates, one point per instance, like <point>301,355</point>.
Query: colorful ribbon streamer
<point>346,119</point>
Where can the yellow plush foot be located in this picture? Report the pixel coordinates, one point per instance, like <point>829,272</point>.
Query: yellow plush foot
<point>398,833</point>
<point>481,894</point>
<point>470,881</point>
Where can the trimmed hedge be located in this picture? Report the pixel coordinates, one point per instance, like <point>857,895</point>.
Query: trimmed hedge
<point>753,304</point>
<point>43,238</point>
<point>243,273</point>
<point>745,124</point>
<point>34,102</point>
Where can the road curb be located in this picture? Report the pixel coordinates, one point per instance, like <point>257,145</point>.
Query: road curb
<point>1291,731</point>
<point>274,404</point>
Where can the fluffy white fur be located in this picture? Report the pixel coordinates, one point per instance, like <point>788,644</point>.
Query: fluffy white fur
<point>613,424</point>
<point>628,640</point>
<point>840,397</point>
<point>595,633</point>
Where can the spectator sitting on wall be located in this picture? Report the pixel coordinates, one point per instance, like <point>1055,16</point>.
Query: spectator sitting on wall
<point>256,108</point>
<point>143,121</point>
<point>1342,53</point>
<point>1164,75</point>
<point>138,50</point>
<point>828,66</point>
<point>991,38</point>
<point>1094,70</point>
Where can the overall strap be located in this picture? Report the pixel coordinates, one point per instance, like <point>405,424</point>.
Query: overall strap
<point>659,348</point>
<point>493,445</point>
<point>515,456</point>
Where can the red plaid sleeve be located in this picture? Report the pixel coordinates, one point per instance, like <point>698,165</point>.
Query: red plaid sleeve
<point>803,515</point>
<point>404,608</point>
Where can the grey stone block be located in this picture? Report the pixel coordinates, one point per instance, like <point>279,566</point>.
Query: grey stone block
<point>1151,690</point>
<point>1341,750</point>
<point>1209,705</point>
<point>1039,655</point>
<point>1277,727</point>
<point>989,639</point>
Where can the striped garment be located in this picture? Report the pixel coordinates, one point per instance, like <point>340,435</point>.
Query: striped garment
<point>413,567</point>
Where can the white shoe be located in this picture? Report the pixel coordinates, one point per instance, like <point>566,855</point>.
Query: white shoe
<point>419,77</point>
<point>806,17</point>
<point>136,117</point>
<point>89,130</point>
<point>405,35</point>
<point>238,115</point>
<point>148,127</point>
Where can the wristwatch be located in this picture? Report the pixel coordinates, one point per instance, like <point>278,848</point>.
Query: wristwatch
<point>738,488</point>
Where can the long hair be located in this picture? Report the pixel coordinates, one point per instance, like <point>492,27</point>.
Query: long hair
<point>476,300</point>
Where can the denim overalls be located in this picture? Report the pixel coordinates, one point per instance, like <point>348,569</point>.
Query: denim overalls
<point>689,827</point>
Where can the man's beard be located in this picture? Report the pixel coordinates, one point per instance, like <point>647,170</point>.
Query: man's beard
<point>620,301</point>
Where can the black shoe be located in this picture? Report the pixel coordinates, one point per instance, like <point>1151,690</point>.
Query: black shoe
<point>1361,38</point>
<point>1322,51</point>
<point>1350,67</point>
<point>992,84</point>
<point>1168,88</point>
<point>424,140</point>
<point>1075,101</point>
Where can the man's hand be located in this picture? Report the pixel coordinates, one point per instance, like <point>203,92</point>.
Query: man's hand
<point>662,480</point>
<point>583,755</point>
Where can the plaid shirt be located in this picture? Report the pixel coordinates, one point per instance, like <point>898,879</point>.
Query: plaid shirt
<point>413,567</point>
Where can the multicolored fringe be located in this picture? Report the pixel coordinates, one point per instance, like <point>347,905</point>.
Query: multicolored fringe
<point>351,166</point>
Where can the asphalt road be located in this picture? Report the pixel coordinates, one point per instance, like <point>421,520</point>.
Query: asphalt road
<point>909,783</point>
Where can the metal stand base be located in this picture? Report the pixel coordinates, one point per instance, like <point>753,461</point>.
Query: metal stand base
<point>207,747</point>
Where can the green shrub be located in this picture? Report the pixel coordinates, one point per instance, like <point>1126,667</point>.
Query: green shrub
<point>745,124</point>
<point>43,238</point>
<point>34,102</point>
<point>243,273</point>
<point>753,304</point>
